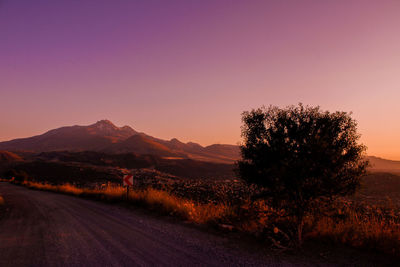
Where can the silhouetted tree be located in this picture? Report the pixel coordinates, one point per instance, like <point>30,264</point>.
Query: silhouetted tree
<point>300,154</point>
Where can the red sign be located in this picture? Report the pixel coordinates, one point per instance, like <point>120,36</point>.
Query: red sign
<point>128,180</point>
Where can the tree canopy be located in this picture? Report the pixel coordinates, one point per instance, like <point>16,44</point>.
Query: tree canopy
<point>299,154</point>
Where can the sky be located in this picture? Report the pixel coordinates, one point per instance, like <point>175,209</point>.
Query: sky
<point>188,69</point>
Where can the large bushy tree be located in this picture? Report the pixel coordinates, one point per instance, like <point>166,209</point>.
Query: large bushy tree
<point>300,154</point>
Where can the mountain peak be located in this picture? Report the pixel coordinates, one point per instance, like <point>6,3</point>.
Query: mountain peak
<point>107,128</point>
<point>175,141</point>
<point>105,122</point>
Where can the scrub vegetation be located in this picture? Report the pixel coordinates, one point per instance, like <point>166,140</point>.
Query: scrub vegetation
<point>346,221</point>
<point>302,178</point>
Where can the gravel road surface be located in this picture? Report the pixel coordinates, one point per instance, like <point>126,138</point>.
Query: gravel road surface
<point>39,228</point>
<point>48,229</point>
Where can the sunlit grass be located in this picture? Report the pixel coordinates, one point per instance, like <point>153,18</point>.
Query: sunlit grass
<point>159,200</point>
<point>372,230</point>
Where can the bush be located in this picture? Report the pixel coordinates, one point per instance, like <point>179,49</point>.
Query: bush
<point>16,175</point>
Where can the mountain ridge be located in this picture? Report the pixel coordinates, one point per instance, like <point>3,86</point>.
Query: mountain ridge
<point>104,136</point>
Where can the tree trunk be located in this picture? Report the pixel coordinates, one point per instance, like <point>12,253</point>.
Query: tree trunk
<point>300,224</point>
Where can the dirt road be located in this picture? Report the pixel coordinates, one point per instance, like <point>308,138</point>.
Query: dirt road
<point>49,229</point>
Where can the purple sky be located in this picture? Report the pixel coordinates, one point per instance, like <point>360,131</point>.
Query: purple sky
<point>187,69</point>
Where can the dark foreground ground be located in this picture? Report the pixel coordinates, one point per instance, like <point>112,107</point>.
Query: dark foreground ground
<point>48,229</point>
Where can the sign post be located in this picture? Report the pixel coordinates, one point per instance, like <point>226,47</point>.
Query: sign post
<point>127,181</point>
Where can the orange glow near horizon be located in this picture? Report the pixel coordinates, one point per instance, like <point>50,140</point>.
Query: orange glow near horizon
<point>188,70</point>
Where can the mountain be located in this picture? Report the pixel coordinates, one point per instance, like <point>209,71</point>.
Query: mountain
<point>141,144</point>
<point>75,138</point>
<point>104,136</point>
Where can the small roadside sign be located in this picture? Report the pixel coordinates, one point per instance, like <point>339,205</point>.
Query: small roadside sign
<point>127,180</point>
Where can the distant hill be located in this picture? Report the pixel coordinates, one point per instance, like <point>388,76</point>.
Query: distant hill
<point>104,136</point>
<point>186,168</point>
<point>384,165</point>
<point>6,156</point>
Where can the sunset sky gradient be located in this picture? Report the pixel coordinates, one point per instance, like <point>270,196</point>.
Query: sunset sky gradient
<point>188,69</point>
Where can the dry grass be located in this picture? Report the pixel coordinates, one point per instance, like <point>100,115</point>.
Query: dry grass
<point>2,202</point>
<point>369,229</point>
<point>184,208</point>
<point>374,231</point>
<point>155,199</point>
